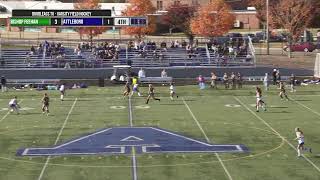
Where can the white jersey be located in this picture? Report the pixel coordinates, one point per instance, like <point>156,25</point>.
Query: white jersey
<point>13,102</point>
<point>300,137</point>
<point>61,88</point>
<point>172,89</point>
<point>265,79</point>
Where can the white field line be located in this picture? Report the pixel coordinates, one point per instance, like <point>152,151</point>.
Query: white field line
<point>130,112</point>
<point>313,111</point>
<point>276,132</point>
<point>5,116</point>
<point>208,140</point>
<point>134,160</point>
<point>58,137</point>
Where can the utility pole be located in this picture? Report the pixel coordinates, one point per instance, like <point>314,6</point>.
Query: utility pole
<point>267,28</point>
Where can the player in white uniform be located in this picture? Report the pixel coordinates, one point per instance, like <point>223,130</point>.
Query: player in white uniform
<point>13,105</point>
<point>136,89</point>
<point>172,91</point>
<point>300,138</point>
<point>260,102</point>
<point>62,91</point>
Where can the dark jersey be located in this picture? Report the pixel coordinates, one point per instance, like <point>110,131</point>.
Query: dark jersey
<point>151,91</point>
<point>282,88</point>
<point>293,80</point>
<point>127,88</point>
<point>46,100</point>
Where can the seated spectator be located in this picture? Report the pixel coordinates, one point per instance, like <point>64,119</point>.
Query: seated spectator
<point>28,59</point>
<point>33,50</point>
<point>79,54</point>
<point>176,44</point>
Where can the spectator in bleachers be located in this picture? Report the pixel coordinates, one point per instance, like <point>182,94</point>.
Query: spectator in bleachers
<point>176,44</point>
<point>32,50</point>
<point>163,45</point>
<point>28,59</point>
<point>3,84</point>
<point>141,73</point>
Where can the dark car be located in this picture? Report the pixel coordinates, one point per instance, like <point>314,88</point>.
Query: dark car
<point>302,47</point>
<point>253,37</point>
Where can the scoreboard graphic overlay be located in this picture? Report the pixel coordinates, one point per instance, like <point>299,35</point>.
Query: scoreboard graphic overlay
<point>72,18</point>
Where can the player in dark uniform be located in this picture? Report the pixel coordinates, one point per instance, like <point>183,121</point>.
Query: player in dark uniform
<point>151,94</point>
<point>127,90</point>
<point>45,104</point>
<point>283,91</point>
<point>293,83</point>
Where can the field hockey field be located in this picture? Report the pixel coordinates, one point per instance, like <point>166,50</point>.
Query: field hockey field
<point>210,116</point>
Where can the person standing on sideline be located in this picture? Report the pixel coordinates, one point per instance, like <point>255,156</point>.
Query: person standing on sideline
<point>300,138</point>
<point>274,76</point>
<point>293,83</point>
<point>239,80</point>
<point>265,82</point>
<point>213,80</point>
<point>3,84</point>
<point>164,73</point>
<point>225,79</point>
<point>141,73</point>
<point>278,77</point>
<point>62,90</point>
<point>233,80</point>
<point>201,82</point>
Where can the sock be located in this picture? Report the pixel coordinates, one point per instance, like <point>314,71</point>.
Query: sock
<point>61,97</point>
<point>139,94</point>
<point>299,152</point>
<point>171,97</point>
<point>257,106</point>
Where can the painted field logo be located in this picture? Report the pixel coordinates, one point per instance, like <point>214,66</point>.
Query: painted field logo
<point>120,140</point>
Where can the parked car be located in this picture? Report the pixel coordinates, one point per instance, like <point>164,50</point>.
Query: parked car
<point>253,37</point>
<point>305,47</point>
<point>261,36</point>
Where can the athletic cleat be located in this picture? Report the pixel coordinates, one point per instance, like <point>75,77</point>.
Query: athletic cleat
<point>310,150</point>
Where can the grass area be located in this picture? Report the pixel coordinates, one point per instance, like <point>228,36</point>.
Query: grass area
<point>268,135</point>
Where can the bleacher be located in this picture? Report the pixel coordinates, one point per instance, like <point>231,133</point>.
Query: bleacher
<point>156,57</point>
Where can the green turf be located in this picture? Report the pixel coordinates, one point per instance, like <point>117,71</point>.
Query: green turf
<point>270,156</point>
